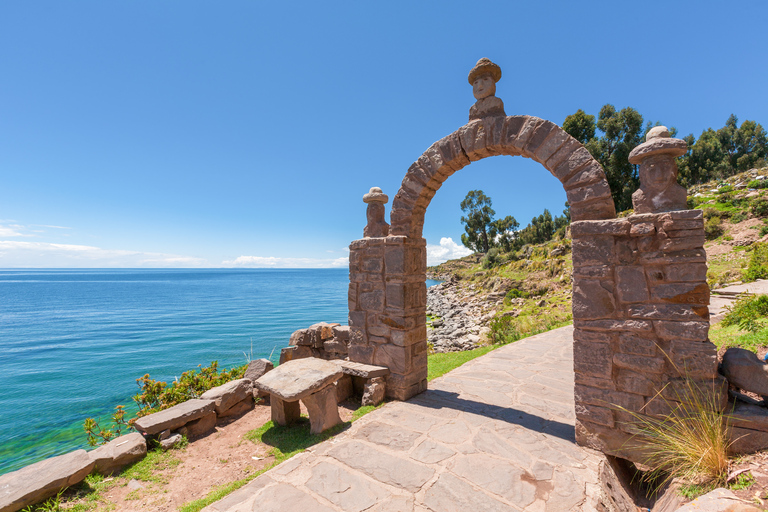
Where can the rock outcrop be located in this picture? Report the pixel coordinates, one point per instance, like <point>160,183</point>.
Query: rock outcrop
<point>462,315</point>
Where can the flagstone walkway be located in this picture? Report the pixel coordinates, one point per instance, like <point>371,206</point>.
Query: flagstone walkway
<point>495,435</point>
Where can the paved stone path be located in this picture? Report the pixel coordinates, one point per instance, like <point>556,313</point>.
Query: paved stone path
<point>493,435</point>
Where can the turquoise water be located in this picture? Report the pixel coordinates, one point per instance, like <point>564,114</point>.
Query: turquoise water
<point>73,342</point>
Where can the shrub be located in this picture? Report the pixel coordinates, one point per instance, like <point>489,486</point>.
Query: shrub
<point>492,258</point>
<point>758,184</point>
<point>155,396</point>
<point>710,212</point>
<point>98,435</point>
<point>725,189</point>
<point>763,230</point>
<point>747,313</point>
<point>738,217</point>
<point>759,208</point>
<point>758,264</point>
<point>514,293</point>
<point>504,330</point>
<point>713,228</point>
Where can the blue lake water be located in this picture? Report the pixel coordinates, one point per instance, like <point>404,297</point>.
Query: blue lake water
<point>73,342</point>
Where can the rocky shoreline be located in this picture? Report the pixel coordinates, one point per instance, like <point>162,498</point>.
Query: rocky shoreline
<point>458,316</point>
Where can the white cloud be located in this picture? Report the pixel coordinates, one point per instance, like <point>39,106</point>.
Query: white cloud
<point>12,230</point>
<point>447,250</point>
<point>15,254</point>
<point>274,262</point>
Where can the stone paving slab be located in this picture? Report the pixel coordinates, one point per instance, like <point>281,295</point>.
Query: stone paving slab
<point>496,434</point>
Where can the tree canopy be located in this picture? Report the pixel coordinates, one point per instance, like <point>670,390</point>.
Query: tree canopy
<point>481,230</point>
<point>723,153</point>
<point>622,130</point>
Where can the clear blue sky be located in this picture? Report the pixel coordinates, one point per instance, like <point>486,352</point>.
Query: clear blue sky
<point>199,133</point>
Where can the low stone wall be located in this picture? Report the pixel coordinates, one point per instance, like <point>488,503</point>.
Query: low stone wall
<point>641,322</point>
<point>193,418</point>
<point>322,340</point>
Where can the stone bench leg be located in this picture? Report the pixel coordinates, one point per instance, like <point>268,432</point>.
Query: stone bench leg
<point>284,413</point>
<point>323,409</point>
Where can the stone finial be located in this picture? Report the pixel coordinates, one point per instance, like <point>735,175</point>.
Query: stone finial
<point>377,226</point>
<point>483,78</point>
<point>659,191</point>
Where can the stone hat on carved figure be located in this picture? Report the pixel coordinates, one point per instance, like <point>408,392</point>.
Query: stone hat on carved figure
<point>485,66</point>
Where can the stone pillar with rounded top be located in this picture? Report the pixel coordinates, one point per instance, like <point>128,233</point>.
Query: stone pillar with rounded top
<point>387,302</point>
<point>377,226</point>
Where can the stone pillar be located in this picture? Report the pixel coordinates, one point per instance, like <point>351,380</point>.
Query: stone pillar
<point>387,310</point>
<point>641,319</point>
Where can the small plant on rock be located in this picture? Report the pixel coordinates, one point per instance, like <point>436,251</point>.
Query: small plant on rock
<point>97,435</point>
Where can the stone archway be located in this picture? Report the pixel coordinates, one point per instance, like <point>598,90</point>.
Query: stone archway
<point>640,297</point>
<point>387,291</point>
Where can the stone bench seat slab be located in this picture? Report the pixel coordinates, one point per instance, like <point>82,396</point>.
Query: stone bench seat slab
<point>366,371</point>
<point>297,379</point>
<point>36,482</point>
<point>175,417</point>
<point>229,394</point>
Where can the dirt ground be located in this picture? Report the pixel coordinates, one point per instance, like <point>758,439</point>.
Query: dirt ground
<point>221,457</point>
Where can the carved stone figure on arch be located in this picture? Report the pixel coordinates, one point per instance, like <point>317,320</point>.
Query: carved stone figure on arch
<point>483,78</point>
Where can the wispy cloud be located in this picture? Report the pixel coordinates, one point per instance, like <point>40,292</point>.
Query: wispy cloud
<point>16,254</point>
<point>12,230</point>
<point>447,250</point>
<point>274,262</point>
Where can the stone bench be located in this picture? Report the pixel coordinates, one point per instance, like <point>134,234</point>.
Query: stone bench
<point>310,380</point>
<point>367,380</point>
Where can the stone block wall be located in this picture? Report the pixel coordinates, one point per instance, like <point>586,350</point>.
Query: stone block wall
<point>641,319</point>
<point>322,340</point>
<point>387,310</point>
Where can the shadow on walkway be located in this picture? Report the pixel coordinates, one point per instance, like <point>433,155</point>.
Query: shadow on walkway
<point>438,399</point>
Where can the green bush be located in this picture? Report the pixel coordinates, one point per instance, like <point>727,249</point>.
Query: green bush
<point>747,313</point>
<point>710,212</point>
<point>155,396</point>
<point>759,208</point>
<point>492,258</point>
<point>764,230</point>
<point>713,228</point>
<point>738,217</point>
<point>514,293</point>
<point>758,264</point>
<point>725,190</point>
<point>758,184</point>
<point>504,329</point>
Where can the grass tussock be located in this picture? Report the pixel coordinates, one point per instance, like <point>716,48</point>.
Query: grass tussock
<point>689,443</point>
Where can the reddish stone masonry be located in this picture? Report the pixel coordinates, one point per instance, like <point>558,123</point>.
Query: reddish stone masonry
<point>641,318</point>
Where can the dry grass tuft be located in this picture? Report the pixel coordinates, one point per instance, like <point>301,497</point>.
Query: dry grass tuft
<point>689,443</point>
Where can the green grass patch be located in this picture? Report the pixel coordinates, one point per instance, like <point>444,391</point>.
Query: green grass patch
<point>733,336</point>
<point>439,364</point>
<point>147,469</point>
